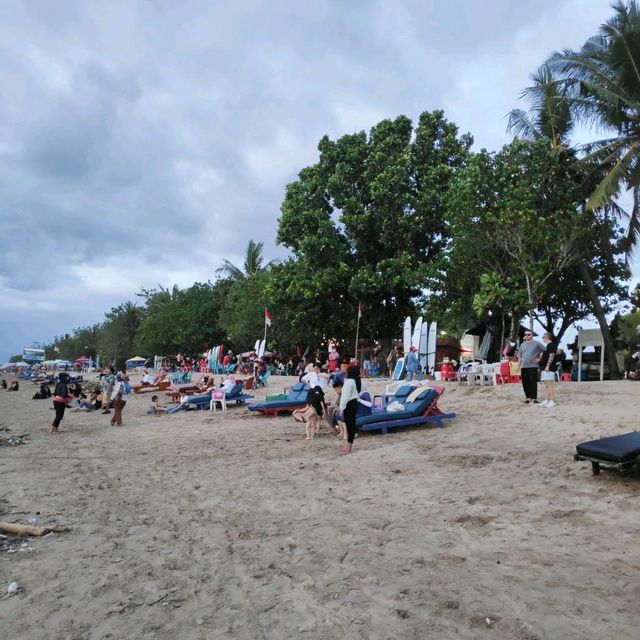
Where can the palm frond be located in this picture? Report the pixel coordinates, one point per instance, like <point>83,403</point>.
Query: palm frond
<point>520,125</point>
<point>229,270</point>
<point>616,177</point>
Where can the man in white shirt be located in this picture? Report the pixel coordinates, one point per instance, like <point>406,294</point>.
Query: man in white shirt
<point>315,378</point>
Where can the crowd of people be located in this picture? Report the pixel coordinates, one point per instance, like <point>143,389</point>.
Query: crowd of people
<point>537,360</point>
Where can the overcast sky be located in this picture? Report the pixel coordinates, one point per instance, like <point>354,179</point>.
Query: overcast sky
<point>143,142</point>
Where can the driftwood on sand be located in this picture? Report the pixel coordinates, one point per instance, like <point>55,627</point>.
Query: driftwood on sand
<point>28,530</point>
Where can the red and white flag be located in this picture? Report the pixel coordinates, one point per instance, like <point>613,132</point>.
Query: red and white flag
<point>360,310</point>
<point>267,317</point>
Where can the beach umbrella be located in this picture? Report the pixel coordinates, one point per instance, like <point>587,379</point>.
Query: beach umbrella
<point>137,359</point>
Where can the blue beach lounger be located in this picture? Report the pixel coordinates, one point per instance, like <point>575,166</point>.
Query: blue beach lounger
<point>203,400</point>
<point>423,410</point>
<point>296,398</point>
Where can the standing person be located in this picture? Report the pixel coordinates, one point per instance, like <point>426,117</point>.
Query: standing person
<point>107,383</point>
<point>60,399</point>
<point>392,358</point>
<point>119,398</point>
<point>334,359</point>
<point>412,365</point>
<point>547,374</point>
<point>529,357</point>
<point>349,404</point>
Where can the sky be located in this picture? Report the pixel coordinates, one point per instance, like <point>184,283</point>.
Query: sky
<point>143,142</point>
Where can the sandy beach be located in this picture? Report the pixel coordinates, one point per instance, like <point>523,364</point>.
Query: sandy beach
<point>231,525</point>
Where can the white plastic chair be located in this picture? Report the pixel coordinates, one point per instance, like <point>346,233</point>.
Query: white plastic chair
<point>218,395</point>
<point>476,374</point>
<point>465,373</point>
<point>496,373</point>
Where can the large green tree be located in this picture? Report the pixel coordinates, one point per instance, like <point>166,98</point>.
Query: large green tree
<point>516,233</point>
<point>118,332</point>
<point>363,224</point>
<point>181,320</point>
<point>551,117</point>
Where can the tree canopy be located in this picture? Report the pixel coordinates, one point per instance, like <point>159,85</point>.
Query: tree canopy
<point>364,222</point>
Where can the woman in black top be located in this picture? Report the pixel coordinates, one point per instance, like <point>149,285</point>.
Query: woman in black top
<point>60,395</point>
<point>547,365</point>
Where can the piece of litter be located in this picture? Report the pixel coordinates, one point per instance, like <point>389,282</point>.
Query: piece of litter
<point>487,620</point>
<point>14,588</point>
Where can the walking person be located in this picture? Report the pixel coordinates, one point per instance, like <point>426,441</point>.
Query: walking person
<point>412,365</point>
<point>529,356</point>
<point>60,399</point>
<point>119,398</point>
<point>547,375</point>
<point>349,404</point>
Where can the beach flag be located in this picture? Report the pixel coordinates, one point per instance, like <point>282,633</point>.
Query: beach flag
<point>267,317</point>
<point>360,310</point>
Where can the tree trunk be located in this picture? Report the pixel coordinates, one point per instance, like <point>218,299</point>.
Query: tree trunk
<point>515,327</point>
<point>598,311</point>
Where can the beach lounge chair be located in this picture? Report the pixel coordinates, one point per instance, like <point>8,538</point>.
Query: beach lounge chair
<point>261,381</point>
<point>234,396</point>
<point>398,392</point>
<point>296,398</point>
<point>203,400</point>
<point>423,410</point>
<point>616,452</point>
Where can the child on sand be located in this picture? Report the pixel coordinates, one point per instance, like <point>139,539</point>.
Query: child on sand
<point>156,408</point>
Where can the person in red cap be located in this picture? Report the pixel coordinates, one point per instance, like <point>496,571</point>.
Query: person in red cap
<point>412,365</point>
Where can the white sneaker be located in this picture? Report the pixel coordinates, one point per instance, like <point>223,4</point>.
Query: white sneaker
<point>550,404</point>
<point>544,403</point>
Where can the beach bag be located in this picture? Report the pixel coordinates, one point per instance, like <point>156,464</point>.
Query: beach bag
<point>127,388</point>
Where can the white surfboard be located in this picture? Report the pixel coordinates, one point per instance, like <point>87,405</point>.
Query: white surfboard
<point>423,347</point>
<point>415,338</point>
<point>261,348</point>
<point>406,342</point>
<point>256,347</point>
<point>432,343</point>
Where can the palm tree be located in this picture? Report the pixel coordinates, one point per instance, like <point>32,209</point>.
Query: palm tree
<point>602,82</point>
<point>253,264</point>
<point>550,116</point>
<point>550,113</point>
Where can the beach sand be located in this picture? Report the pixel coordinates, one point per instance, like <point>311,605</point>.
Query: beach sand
<point>231,525</point>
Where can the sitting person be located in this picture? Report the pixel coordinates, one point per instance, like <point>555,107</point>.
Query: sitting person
<point>205,384</point>
<point>147,379</point>
<point>3,383</point>
<point>44,392</point>
<point>334,413</point>
<point>14,386</point>
<point>92,404</point>
<point>229,384</point>
<point>156,408</point>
